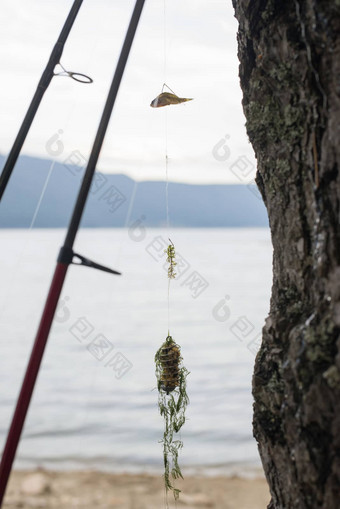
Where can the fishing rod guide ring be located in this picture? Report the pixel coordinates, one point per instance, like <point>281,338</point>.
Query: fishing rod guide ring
<point>76,76</point>
<point>66,256</point>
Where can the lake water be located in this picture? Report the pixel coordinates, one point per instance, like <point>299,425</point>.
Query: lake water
<point>95,403</point>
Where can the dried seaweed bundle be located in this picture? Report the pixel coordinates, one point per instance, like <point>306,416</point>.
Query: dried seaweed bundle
<point>172,401</point>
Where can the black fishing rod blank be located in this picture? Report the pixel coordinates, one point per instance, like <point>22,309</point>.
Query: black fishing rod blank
<point>65,258</point>
<point>44,82</point>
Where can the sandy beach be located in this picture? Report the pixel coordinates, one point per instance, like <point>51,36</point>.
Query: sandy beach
<point>46,489</point>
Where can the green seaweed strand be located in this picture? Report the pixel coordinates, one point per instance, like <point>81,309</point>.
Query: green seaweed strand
<point>170,251</point>
<point>172,406</point>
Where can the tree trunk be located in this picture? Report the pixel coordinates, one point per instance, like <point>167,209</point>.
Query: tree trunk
<point>290,75</point>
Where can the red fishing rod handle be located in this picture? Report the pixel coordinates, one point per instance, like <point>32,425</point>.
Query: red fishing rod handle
<point>32,370</point>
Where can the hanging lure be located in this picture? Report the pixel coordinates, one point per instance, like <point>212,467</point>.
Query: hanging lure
<point>172,396</point>
<point>167,98</point>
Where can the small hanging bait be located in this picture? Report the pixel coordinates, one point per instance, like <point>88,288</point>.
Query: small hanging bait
<point>172,395</point>
<point>166,98</point>
<point>168,357</point>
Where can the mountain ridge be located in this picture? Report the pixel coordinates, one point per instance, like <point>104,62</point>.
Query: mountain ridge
<point>116,200</point>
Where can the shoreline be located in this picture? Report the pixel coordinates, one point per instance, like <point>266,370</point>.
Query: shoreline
<point>47,489</point>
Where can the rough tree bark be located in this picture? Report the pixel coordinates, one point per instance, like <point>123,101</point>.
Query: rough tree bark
<point>289,55</point>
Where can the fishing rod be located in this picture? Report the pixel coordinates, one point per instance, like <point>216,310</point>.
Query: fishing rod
<point>43,84</point>
<point>65,258</point>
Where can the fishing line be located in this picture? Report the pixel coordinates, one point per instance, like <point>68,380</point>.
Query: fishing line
<point>166,175</point>
<point>166,123</point>
<point>164,39</point>
<point>23,249</point>
<point>74,104</point>
<point>72,112</point>
<point>166,501</point>
<point>126,224</point>
<point>167,204</point>
<point>42,194</point>
<point>166,148</point>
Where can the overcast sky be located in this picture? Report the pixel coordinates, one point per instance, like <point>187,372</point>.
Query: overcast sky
<point>198,59</point>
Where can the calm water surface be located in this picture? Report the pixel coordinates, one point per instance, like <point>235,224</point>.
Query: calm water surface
<point>95,403</point>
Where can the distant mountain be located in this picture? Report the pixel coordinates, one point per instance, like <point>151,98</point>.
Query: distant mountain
<point>117,200</point>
